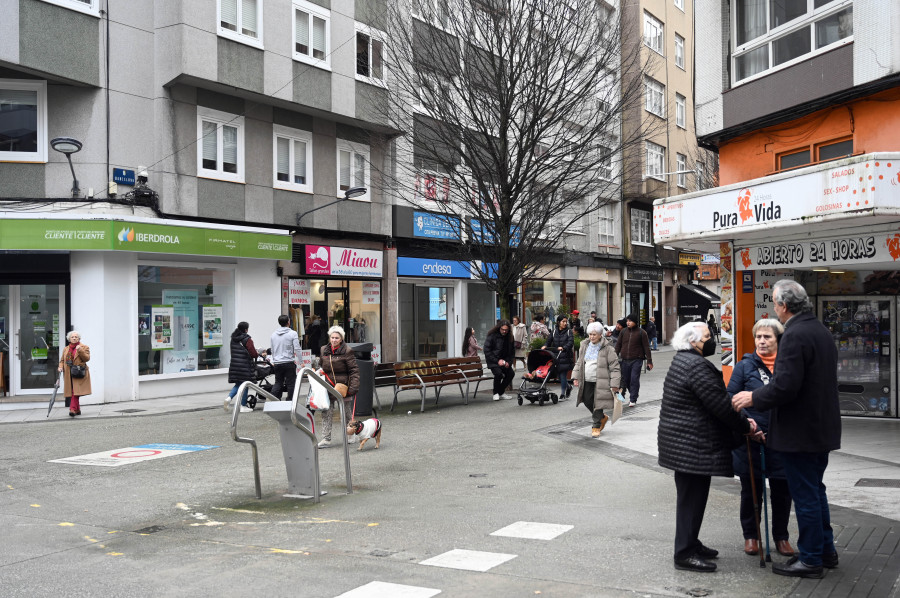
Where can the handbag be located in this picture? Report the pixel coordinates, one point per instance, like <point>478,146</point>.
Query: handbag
<point>317,396</point>
<point>518,344</point>
<point>78,371</point>
<point>338,386</point>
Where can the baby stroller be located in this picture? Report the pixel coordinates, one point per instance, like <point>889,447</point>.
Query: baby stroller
<point>263,376</point>
<point>541,366</point>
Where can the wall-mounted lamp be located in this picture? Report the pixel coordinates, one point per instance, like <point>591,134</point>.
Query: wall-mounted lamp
<point>348,194</point>
<point>68,146</point>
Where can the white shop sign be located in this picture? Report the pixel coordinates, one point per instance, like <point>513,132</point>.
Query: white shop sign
<point>298,292</point>
<point>836,251</point>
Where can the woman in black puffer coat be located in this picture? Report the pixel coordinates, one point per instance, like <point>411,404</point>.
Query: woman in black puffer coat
<point>242,366</point>
<point>697,427</point>
<point>562,342</point>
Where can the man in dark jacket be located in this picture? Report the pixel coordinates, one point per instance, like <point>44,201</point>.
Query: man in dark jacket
<point>650,327</point>
<point>805,423</point>
<point>633,348</point>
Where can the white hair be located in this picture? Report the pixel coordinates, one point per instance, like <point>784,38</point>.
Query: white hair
<point>337,329</point>
<point>687,334</point>
<point>70,333</point>
<point>595,327</point>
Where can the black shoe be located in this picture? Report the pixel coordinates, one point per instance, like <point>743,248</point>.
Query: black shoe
<point>705,552</point>
<point>794,567</point>
<point>830,561</point>
<point>695,563</point>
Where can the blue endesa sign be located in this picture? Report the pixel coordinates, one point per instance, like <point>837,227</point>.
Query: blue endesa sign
<point>123,176</point>
<point>414,266</point>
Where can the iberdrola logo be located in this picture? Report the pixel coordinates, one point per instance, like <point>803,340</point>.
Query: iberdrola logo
<point>126,235</point>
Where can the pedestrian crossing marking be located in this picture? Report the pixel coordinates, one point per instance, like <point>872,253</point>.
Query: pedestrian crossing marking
<point>381,589</point>
<point>531,530</point>
<point>469,560</point>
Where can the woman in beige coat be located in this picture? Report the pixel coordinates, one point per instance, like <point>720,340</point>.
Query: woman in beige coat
<point>520,339</point>
<point>75,353</point>
<point>597,376</point>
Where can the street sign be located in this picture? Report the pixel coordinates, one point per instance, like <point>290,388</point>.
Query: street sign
<point>123,176</point>
<point>132,454</point>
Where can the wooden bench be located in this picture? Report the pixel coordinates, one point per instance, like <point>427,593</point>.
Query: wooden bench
<point>430,373</point>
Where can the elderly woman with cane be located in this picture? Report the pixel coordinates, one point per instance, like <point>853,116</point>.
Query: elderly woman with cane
<point>695,438</point>
<point>752,372</point>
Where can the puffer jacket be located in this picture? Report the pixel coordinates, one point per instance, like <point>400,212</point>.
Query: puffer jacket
<point>340,364</point>
<point>746,377</point>
<point>696,421</point>
<point>241,367</point>
<point>608,374</point>
<point>566,340</point>
<point>498,347</point>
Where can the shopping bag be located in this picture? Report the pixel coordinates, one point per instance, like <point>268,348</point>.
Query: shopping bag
<point>617,408</point>
<point>317,396</point>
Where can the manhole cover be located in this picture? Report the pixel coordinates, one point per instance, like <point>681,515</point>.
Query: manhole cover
<point>878,483</point>
<point>150,530</point>
<point>131,411</point>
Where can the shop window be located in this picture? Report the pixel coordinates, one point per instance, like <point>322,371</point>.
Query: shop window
<point>23,120</point>
<point>184,319</point>
<point>312,33</point>
<point>220,153</point>
<point>591,296</point>
<point>353,168</point>
<point>542,297</point>
<point>293,159</point>
<point>241,20</point>
<point>354,305</point>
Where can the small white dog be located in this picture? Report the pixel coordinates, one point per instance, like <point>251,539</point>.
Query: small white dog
<point>371,428</point>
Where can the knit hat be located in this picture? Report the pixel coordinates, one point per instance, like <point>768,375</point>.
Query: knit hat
<point>621,323</point>
<point>633,318</point>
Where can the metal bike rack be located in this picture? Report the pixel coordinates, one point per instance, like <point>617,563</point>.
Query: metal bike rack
<point>234,419</point>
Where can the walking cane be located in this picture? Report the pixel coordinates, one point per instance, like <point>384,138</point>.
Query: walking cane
<point>762,560</point>
<point>762,461</point>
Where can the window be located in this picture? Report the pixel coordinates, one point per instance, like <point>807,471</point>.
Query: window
<point>681,167</point>
<point>606,171</point>
<point>679,4</point>
<point>771,34</point>
<point>91,7</point>
<point>220,152</point>
<point>369,55</point>
<point>432,183</point>
<point>640,227</point>
<point>654,94</point>
<point>293,159</point>
<point>680,111</point>
<point>679,51</point>
<point>701,175</point>
<point>821,152</point>
<point>833,151</point>
<point>312,33</point>
<point>23,120</point>
<point>656,158</point>
<point>436,12</point>
<point>353,168</point>
<point>607,226</point>
<point>653,33</point>
<point>793,160</point>
<point>241,20</point>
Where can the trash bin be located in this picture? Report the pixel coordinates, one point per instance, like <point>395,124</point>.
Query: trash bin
<point>363,352</point>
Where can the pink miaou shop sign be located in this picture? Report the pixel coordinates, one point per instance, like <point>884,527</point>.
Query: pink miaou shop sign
<point>343,261</point>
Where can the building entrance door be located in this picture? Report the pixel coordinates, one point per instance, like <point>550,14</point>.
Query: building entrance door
<point>31,325</point>
<point>426,321</point>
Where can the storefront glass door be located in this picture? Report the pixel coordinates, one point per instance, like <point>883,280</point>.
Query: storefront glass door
<point>30,330</point>
<point>426,317</point>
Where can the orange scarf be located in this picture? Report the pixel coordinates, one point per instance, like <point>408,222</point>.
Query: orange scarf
<point>768,361</point>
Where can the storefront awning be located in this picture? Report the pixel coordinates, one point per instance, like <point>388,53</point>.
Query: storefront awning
<point>696,301</point>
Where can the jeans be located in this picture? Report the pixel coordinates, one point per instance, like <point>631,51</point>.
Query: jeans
<point>804,475</point>
<point>234,392</point>
<point>503,376</point>
<point>653,346</point>
<point>563,382</point>
<point>631,377</point>
<point>285,376</point>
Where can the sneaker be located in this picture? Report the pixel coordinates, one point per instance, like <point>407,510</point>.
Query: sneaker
<point>227,405</point>
<point>505,397</point>
<point>632,404</point>
<point>496,397</point>
<point>324,443</point>
<point>245,409</point>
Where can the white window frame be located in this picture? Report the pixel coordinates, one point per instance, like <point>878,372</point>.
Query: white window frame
<point>312,10</point>
<point>256,42</point>
<point>679,51</point>
<point>654,97</point>
<point>292,135</point>
<point>701,172</point>
<point>606,224</point>
<point>381,37</point>
<point>808,20</point>
<point>40,156</point>
<point>438,10</point>
<point>91,7</point>
<point>654,34</point>
<point>640,227</point>
<point>606,165</point>
<point>656,160</point>
<point>679,4</point>
<point>220,119</point>
<point>680,111</point>
<point>681,167</point>
<point>355,149</point>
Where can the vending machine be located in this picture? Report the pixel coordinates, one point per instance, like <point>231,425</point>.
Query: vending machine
<point>862,329</point>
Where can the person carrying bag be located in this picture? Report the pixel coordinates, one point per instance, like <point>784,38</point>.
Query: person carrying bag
<point>340,362</point>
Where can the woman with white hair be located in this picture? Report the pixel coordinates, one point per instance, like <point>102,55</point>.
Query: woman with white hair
<point>339,364</point>
<point>597,376</point>
<point>76,374</point>
<point>695,438</point>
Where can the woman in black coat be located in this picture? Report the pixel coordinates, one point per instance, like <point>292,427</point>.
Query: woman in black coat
<point>752,372</point>
<point>242,367</point>
<point>500,355</point>
<point>697,427</point>
<point>562,342</point>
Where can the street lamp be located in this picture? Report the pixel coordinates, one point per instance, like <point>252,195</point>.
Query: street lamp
<point>68,146</point>
<point>348,194</point>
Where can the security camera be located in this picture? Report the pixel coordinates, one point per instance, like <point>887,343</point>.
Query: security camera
<point>142,176</point>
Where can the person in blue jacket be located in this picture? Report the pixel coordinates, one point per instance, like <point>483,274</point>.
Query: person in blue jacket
<point>752,372</point>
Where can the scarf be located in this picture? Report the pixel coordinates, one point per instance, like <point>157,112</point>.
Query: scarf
<point>768,361</point>
<point>593,351</point>
<point>73,349</point>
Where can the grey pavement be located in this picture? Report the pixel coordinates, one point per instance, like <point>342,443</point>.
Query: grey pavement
<point>444,480</point>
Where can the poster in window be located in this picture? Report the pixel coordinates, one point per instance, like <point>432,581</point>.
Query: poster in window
<point>298,292</point>
<point>161,327</point>
<point>143,324</point>
<point>185,323</point>
<point>212,325</point>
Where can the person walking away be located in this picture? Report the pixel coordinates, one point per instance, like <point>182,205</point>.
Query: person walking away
<point>520,341</point>
<point>470,346</point>
<point>575,323</point>
<point>339,364</point>
<point>754,371</point>
<point>650,328</point>
<point>500,355</point>
<point>596,376</point>
<point>285,351</point>
<point>538,328</point>
<point>713,329</point>
<point>805,424</point>
<point>561,342</point>
<point>242,366</point>
<point>695,438</point>
<point>633,347</point>
<point>75,357</point>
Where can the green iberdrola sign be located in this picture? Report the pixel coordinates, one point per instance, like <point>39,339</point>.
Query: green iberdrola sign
<point>121,235</point>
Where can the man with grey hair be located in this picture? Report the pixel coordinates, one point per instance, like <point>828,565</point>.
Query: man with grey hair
<point>805,424</point>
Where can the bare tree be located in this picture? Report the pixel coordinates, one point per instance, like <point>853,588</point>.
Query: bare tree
<point>512,109</point>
